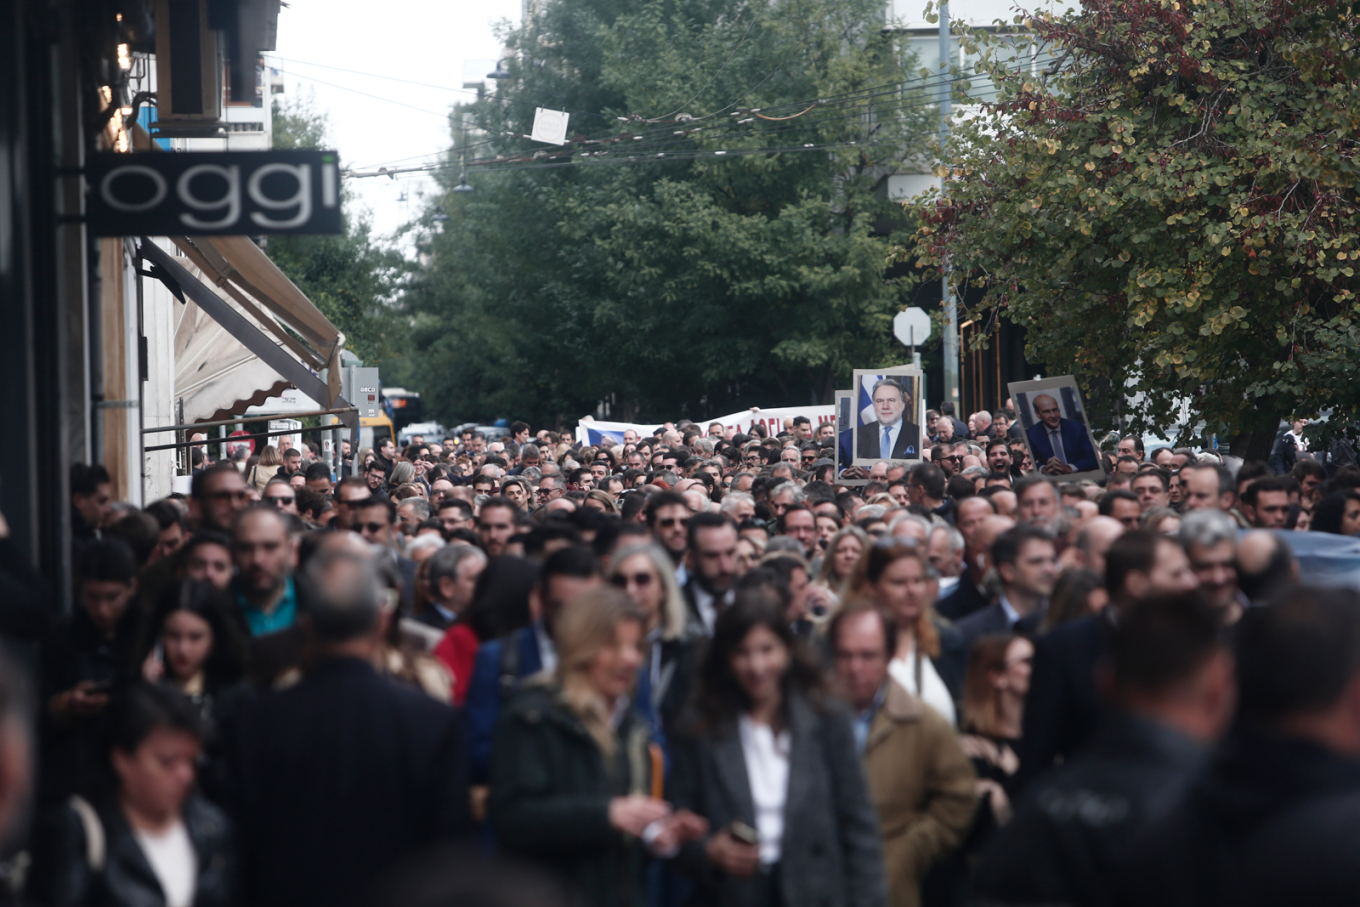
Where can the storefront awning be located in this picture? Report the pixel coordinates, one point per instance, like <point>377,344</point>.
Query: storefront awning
<point>233,346</point>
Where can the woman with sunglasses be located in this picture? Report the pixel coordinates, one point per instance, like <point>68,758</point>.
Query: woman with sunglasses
<point>644,573</point>
<point>772,765</point>
<point>895,576</point>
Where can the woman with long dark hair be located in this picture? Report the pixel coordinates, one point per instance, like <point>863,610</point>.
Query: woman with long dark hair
<point>772,765</point>
<point>1338,513</point>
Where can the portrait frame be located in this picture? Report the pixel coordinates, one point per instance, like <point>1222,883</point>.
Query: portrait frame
<point>845,420</point>
<point>910,448</point>
<point>1072,409</point>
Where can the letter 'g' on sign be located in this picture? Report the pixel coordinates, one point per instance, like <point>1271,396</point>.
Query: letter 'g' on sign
<point>214,193</point>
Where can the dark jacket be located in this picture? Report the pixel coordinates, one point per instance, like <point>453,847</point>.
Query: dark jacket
<point>550,792</point>
<point>1074,826</point>
<point>869,438</point>
<point>1062,708</point>
<point>965,598</point>
<point>831,855</point>
<point>952,663</point>
<point>75,651</point>
<point>339,777</point>
<point>1275,820</point>
<point>63,877</point>
<point>991,619</point>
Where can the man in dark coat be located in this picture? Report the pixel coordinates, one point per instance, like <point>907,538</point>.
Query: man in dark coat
<point>1276,818</point>
<point>1172,690</point>
<point>1062,708</point>
<point>346,773</point>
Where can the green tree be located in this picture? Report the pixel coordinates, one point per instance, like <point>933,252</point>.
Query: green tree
<point>1173,207</point>
<point>677,282</point>
<point>350,277</point>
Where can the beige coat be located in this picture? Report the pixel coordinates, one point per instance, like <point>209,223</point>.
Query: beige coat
<point>923,786</point>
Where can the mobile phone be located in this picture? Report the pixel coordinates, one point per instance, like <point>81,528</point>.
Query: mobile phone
<point>744,833</point>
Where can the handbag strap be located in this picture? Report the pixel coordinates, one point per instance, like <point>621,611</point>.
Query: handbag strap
<point>96,845</point>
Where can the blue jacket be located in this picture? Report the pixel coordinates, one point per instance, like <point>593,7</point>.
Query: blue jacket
<point>482,709</point>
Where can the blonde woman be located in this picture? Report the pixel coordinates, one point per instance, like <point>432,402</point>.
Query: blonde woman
<point>575,773</point>
<point>670,636</point>
<point>843,551</point>
<point>930,658</point>
<point>271,461</point>
<point>601,501</point>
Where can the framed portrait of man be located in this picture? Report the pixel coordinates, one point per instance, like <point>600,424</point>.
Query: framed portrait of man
<point>889,411</point>
<point>1053,422</point>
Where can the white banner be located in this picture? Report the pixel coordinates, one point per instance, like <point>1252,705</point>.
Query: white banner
<point>589,431</point>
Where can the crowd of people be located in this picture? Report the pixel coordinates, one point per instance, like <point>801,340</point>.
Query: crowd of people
<point>698,667</point>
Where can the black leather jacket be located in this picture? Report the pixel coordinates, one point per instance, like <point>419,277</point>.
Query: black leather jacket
<point>63,877</point>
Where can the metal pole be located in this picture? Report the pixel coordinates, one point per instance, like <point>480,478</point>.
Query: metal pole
<point>258,417</point>
<point>235,438</point>
<point>951,302</point>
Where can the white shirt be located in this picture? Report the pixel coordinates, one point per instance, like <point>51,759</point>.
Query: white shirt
<point>934,693</point>
<point>707,606</point>
<point>173,860</point>
<point>767,768</point>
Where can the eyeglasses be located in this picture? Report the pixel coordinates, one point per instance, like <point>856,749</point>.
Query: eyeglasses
<point>280,500</point>
<point>230,495</point>
<point>641,580</point>
<point>370,527</point>
<point>670,521</point>
<point>356,502</point>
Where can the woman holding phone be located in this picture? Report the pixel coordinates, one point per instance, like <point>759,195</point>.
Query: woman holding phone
<point>772,765</point>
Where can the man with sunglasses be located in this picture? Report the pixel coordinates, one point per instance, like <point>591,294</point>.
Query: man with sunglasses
<point>668,517</point>
<point>375,520</point>
<point>278,493</point>
<point>947,457</point>
<point>351,492</point>
<point>217,494</point>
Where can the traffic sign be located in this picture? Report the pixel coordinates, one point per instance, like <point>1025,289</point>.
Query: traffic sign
<point>912,327</point>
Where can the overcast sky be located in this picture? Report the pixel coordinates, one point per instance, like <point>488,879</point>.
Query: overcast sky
<point>427,41</point>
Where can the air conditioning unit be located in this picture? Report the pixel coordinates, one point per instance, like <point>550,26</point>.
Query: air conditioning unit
<point>189,70</point>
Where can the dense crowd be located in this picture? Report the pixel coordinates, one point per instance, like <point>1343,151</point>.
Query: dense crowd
<point>696,667</point>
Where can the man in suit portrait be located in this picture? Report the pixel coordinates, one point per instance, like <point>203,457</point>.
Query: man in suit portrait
<point>890,436</point>
<point>1059,445</point>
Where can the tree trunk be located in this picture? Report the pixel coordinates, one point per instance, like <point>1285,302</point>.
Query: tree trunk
<point>1253,445</point>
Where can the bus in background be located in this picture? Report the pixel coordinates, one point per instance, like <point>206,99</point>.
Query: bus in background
<point>402,406</point>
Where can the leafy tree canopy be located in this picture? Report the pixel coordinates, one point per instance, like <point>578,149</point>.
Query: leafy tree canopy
<point>350,277</point>
<point>676,282</point>
<point>1174,207</point>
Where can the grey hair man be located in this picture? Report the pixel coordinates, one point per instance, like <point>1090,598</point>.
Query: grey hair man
<point>454,571</point>
<point>1209,537</point>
